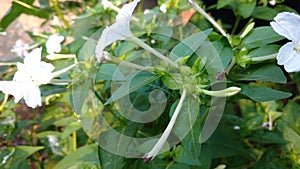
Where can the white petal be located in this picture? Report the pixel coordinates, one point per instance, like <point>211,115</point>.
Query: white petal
<point>53,43</point>
<point>127,10</point>
<point>163,8</point>
<point>120,30</point>
<point>287,25</point>
<point>286,53</point>
<point>12,88</point>
<point>293,65</point>
<point>32,96</point>
<point>33,58</point>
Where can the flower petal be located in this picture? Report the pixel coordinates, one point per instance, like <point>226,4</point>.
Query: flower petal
<point>33,58</point>
<point>127,10</point>
<point>293,65</point>
<point>13,88</point>
<point>286,53</point>
<point>53,43</point>
<point>32,96</point>
<point>287,25</point>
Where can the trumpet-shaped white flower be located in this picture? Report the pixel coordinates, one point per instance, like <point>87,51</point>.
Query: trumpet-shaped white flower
<point>287,24</point>
<point>20,48</point>
<point>53,43</point>
<point>163,8</point>
<point>120,30</point>
<point>26,81</point>
<point>106,4</point>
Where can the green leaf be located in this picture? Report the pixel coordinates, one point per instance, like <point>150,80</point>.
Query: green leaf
<point>72,127</point>
<point>187,118</point>
<point>223,144</point>
<point>109,72</point>
<point>223,3</point>
<point>264,13</point>
<point>262,94</point>
<point>110,161</point>
<point>224,50</point>
<point>261,36</point>
<point>291,116</point>
<point>87,154</point>
<point>133,82</point>
<point>271,73</point>
<point>172,81</point>
<point>189,45</point>
<point>245,8</point>
<point>270,160</point>
<point>188,152</point>
<point>267,137</point>
<point>21,153</point>
<point>264,50</point>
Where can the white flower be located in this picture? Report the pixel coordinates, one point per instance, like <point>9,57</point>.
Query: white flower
<point>120,30</point>
<point>53,43</point>
<point>287,24</point>
<point>163,8</point>
<point>146,11</point>
<point>26,81</point>
<point>106,4</point>
<point>20,48</point>
<point>53,143</point>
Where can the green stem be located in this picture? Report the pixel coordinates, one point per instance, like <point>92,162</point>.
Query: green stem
<point>263,58</point>
<point>236,24</point>
<point>59,13</point>
<point>230,66</point>
<point>74,135</point>
<point>209,18</point>
<point>4,102</point>
<point>151,50</point>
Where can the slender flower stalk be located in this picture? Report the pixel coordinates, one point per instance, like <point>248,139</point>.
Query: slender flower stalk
<point>209,18</point>
<point>270,121</point>
<point>222,93</point>
<point>56,56</point>
<point>157,147</point>
<point>4,102</point>
<point>8,63</point>
<point>64,70</point>
<point>153,51</point>
<point>263,58</point>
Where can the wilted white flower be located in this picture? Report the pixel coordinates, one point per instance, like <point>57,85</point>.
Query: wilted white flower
<point>53,43</point>
<point>20,48</point>
<point>236,127</point>
<point>287,24</point>
<point>120,30</point>
<point>163,8</point>
<point>26,81</point>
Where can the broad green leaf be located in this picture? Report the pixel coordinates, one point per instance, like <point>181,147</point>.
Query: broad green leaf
<point>178,166</point>
<point>223,3</point>
<point>293,139</point>
<point>109,72</point>
<point>261,36</point>
<point>82,155</point>
<point>163,34</point>
<point>245,8</point>
<point>110,161</point>
<point>270,160</point>
<point>189,150</point>
<point>267,137</point>
<point>172,81</point>
<point>224,50</point>
<point>148,145</point>
<point>262,94</point>
<point>264,50</point>
<point>21,153</point>
<point>271,73</point>
<point>186,118</point>
<point>264,13</point>
<point>133,82</point>
<point>189,45</point>
<point>72,127</point>
<point>291,116</point>
<point>223,144</point>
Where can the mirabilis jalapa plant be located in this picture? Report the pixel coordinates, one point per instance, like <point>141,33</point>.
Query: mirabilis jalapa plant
<point>120,30</point>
